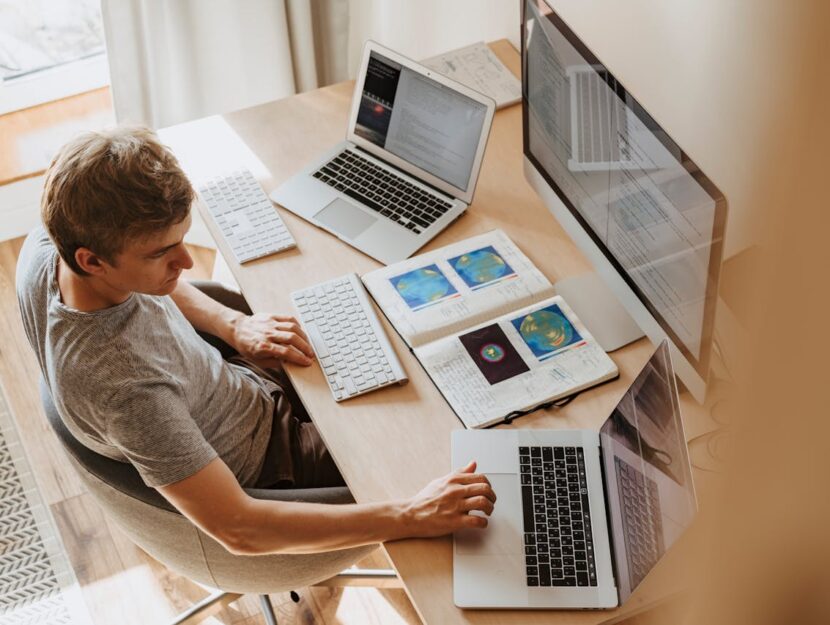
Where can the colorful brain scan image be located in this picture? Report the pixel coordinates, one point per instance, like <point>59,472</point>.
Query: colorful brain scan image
<point>546,331</point>
<point>423,287</point>
<point>482,267</point>
<point>493,354</point>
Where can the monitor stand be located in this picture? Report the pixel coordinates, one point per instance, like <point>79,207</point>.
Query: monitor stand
<point>600,310</point>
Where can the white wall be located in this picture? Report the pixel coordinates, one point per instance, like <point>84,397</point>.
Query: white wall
<point>717,74</point>
<point>423,28</point>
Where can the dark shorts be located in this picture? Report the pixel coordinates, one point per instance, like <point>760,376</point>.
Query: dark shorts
<point>296,456</point>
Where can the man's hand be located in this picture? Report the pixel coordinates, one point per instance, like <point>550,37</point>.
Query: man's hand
<point>445,504</point>
<point>271,336</point>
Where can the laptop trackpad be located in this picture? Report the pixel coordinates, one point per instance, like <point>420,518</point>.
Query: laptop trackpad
<point>345,218</point>
<point>503,534</point>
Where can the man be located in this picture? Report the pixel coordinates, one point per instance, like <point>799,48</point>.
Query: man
<point>115,332</point>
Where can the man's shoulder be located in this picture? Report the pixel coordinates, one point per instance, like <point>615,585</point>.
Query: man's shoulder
<point>37,253</point>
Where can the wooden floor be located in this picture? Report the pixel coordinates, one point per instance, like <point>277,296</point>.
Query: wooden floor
<point>30,137</point>
<point>120,583</point>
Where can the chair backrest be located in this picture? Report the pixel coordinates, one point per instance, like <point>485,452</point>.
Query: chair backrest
<point>157,527</point>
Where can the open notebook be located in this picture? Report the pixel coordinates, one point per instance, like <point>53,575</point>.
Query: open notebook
<point>488,328</point>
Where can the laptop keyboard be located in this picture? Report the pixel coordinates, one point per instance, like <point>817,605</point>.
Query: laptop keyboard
<point>559,549</point>
<point>642,521</point>
<point>381,190</point>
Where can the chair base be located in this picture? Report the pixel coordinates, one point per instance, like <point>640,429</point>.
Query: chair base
<point>371,578</point>
<point>351,577</point>
<point>208,606</point>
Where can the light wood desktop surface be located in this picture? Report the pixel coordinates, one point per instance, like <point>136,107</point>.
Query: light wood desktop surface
<point>390,443</point>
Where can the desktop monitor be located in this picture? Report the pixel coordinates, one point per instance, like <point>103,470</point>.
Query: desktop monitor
<point>638,207</point>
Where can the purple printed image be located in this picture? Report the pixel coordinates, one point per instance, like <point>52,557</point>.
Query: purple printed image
<point>495,357</point>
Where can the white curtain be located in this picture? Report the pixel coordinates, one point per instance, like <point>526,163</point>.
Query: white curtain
<point>177,60</point>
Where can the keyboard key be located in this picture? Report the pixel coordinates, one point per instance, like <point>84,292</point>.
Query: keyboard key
<point>544,575</point>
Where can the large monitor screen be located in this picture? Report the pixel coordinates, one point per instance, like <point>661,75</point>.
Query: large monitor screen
<point>648,208</point>
<point>648,479</point>
<point>420,120</point>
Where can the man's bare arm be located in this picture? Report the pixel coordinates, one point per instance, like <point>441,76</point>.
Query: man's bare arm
<point>256,336</point>
<point>214,501</point>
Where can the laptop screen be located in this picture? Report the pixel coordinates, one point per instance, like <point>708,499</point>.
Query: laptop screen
<point>648,479</point>
<point>420,120</point>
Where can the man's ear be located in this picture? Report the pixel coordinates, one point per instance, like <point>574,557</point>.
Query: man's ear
<point>90,262</point>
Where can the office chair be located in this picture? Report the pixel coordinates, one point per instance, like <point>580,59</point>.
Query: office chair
<point>153,524</point>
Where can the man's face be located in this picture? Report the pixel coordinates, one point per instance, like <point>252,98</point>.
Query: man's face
<point>152,265</point>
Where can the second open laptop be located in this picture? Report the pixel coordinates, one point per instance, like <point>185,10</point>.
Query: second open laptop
<point>581,517</point>
<point>408,166</point>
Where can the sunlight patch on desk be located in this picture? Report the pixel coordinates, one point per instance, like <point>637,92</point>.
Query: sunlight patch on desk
<point>209,147</point>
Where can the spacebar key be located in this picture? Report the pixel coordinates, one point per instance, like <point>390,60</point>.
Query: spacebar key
<point>363,200</point>
<point>317,340</point>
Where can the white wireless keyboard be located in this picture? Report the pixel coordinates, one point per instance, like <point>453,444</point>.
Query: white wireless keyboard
<point>351,345</point>
<point>248,221</point>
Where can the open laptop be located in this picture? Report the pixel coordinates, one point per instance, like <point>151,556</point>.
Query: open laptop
<point>581,516</point>
<point>409,164</point>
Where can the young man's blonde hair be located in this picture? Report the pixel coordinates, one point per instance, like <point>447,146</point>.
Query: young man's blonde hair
<point>105,188</point>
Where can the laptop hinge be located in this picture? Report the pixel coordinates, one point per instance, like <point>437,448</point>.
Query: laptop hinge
<point>608,518</point>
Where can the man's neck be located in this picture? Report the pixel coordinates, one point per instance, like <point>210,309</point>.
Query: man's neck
<point>87,293</point>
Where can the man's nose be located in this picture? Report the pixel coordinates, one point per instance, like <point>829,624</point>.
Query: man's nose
<point>183,259</point>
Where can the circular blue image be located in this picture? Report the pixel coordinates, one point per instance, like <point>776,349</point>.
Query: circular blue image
<point>545,331</point>
<point>481,266</point>
<point>422,286</point>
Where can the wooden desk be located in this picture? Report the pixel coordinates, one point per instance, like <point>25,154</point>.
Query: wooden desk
<point>389,444</point>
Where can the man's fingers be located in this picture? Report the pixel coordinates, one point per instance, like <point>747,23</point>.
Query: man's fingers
<point>483,490</point>
<point>284,318</point>
<point>470,468</point>
<point>289,338</point>
<point>469,478</point>
<point>482,503</point>
<point>288,353</point>
<point>473,521</point>
<point>291,326</point>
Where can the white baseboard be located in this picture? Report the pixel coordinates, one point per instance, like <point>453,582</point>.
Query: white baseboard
<point>20,207</point>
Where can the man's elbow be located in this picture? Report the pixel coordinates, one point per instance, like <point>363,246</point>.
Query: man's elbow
<point>238,545</point>
<point>238,540</point>
<point>244,535</point>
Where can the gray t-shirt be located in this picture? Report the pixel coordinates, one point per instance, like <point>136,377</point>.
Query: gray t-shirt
<point>136,383</point>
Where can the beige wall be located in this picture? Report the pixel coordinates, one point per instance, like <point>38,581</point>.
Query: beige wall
<point>717,74</point>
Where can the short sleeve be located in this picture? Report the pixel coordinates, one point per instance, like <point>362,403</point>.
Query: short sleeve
<point>149,422</point>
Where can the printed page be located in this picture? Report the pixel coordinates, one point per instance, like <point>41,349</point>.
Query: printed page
<point>521,360</point>
<point>478,67</point>
<point>439,293</point>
